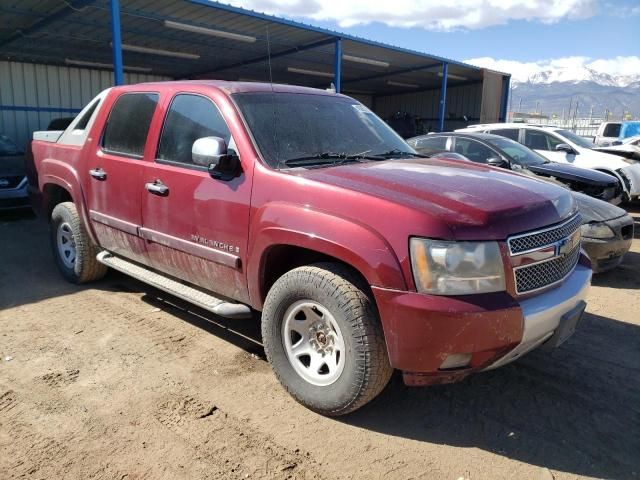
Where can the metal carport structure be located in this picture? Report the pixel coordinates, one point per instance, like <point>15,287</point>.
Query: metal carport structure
<point>203,39</point>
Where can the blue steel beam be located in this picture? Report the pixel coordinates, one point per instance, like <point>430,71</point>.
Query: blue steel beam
<point>443,97</point>
<point>116,42</point>
<point>505,98</point>
<point>337,69</point>
<point>44,22</point>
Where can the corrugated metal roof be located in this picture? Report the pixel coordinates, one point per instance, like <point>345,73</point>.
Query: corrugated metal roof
<point>63,31</point>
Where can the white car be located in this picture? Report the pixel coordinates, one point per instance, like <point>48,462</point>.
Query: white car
<point>563,146</point>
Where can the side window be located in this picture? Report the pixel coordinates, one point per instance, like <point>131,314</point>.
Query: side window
<point>537,140</point>
<point>84,120</point>
<point>128,124</point>
<point>474,151</point>
<point>433,143</point>
<point>190,117</point>
<point>511,133</point>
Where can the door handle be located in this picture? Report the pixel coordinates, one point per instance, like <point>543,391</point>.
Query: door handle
<point>157,188</point>
<point>98,173</point>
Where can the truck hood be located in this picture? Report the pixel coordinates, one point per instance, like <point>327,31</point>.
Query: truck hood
<point>574,174</point>
<point>474,201</point>
<point>11,165</point>
<point>594,210</point>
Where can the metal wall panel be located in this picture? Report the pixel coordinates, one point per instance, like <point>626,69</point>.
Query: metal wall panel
<point>491,97</point>
<point>462,101</point>
<point>31,95</point>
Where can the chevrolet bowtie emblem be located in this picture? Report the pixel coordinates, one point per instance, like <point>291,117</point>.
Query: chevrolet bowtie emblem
<point>566,245</point>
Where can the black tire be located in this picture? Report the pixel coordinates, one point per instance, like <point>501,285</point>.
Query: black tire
<point>85,268</point>
<point>366,369</point>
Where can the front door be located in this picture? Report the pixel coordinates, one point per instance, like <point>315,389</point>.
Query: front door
<point>545,144</point>
<point>196,226</point>
<point>114,174</point>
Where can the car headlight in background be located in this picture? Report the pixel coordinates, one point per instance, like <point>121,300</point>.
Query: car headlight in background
<point>456,268</point>
<point>597,230</point>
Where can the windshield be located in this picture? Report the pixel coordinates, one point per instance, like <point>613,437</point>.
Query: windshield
<point>289,127</point>
<point>517,153</point>
<point>577,139</point>
<point>7,147</point>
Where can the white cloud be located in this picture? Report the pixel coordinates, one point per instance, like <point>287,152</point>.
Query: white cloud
<point>621,70</point>
<point>428,14</point>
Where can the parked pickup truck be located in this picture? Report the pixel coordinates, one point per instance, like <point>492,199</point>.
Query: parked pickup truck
<point>361,255</point>
<point>614,133</point>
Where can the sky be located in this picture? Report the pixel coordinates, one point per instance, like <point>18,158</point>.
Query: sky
<point>520,37</point>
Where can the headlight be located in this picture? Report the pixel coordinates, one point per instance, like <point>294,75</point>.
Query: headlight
<point>597,230</point>
<point>456,268</point>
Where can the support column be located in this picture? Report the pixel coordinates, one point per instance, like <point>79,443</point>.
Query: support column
<point>116,42</point>
<point>505,99</point>
<point>443,97</point>
<point>337,66</point>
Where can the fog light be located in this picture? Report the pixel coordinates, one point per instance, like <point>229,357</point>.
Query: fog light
<point>456,360</point>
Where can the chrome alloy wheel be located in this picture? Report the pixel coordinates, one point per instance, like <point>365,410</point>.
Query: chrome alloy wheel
<point>313,342</point>
<point>66,245</point>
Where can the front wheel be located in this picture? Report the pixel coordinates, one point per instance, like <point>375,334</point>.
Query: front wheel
<point>323,338</point>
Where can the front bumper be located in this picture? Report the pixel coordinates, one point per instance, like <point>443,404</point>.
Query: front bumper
<point>631,179</point>
<point>606,254</point>
<point>542,313</point>
<point>14,198</point>
<point>422,331</point>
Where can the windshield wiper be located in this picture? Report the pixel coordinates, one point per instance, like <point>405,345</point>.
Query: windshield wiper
<point>323,159</point>
<point>395,153</point>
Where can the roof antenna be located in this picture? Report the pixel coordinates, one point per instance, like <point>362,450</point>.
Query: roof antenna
<point>273,101</point>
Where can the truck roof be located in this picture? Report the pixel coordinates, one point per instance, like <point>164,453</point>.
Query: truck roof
<point>235,87</point>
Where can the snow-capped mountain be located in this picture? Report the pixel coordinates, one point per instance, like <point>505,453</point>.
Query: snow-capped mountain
<point>582,74</point>
<point>592,97</point>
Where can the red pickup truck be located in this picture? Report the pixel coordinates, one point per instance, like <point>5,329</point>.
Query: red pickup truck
<point>361,255</point>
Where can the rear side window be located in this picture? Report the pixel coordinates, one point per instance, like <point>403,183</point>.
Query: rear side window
<point>612,130</point>
<point>82,123</point>
<point>511,133</point>
<point>128,124</point>
<point>432,143</point>
<point>190,117</point>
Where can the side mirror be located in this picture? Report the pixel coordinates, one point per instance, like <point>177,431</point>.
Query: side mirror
<point>497,162</point>
<point>211,152</point>
<point>564,147</point>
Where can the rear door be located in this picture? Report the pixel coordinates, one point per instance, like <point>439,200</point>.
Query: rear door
<point>114,169</point>
<point>196,226</point>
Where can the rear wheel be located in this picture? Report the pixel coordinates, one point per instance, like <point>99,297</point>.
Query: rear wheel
<point>323,339</point>
<point>73,250</point>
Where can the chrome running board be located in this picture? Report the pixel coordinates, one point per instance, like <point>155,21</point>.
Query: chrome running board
<point>180,290</point>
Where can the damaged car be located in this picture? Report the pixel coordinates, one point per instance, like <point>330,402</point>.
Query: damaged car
<point>502,152</point>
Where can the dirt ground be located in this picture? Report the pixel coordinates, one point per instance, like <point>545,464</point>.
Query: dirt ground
<point>118,381</point>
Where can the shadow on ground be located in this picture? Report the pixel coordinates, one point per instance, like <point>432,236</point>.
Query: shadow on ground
<point>576,410</point>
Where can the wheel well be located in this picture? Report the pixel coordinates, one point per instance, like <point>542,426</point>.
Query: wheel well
<point>281,259</point>
<point>53,195</point>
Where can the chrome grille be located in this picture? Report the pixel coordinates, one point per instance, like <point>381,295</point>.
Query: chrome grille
<point>540,275</point>
<point>542,238</point>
